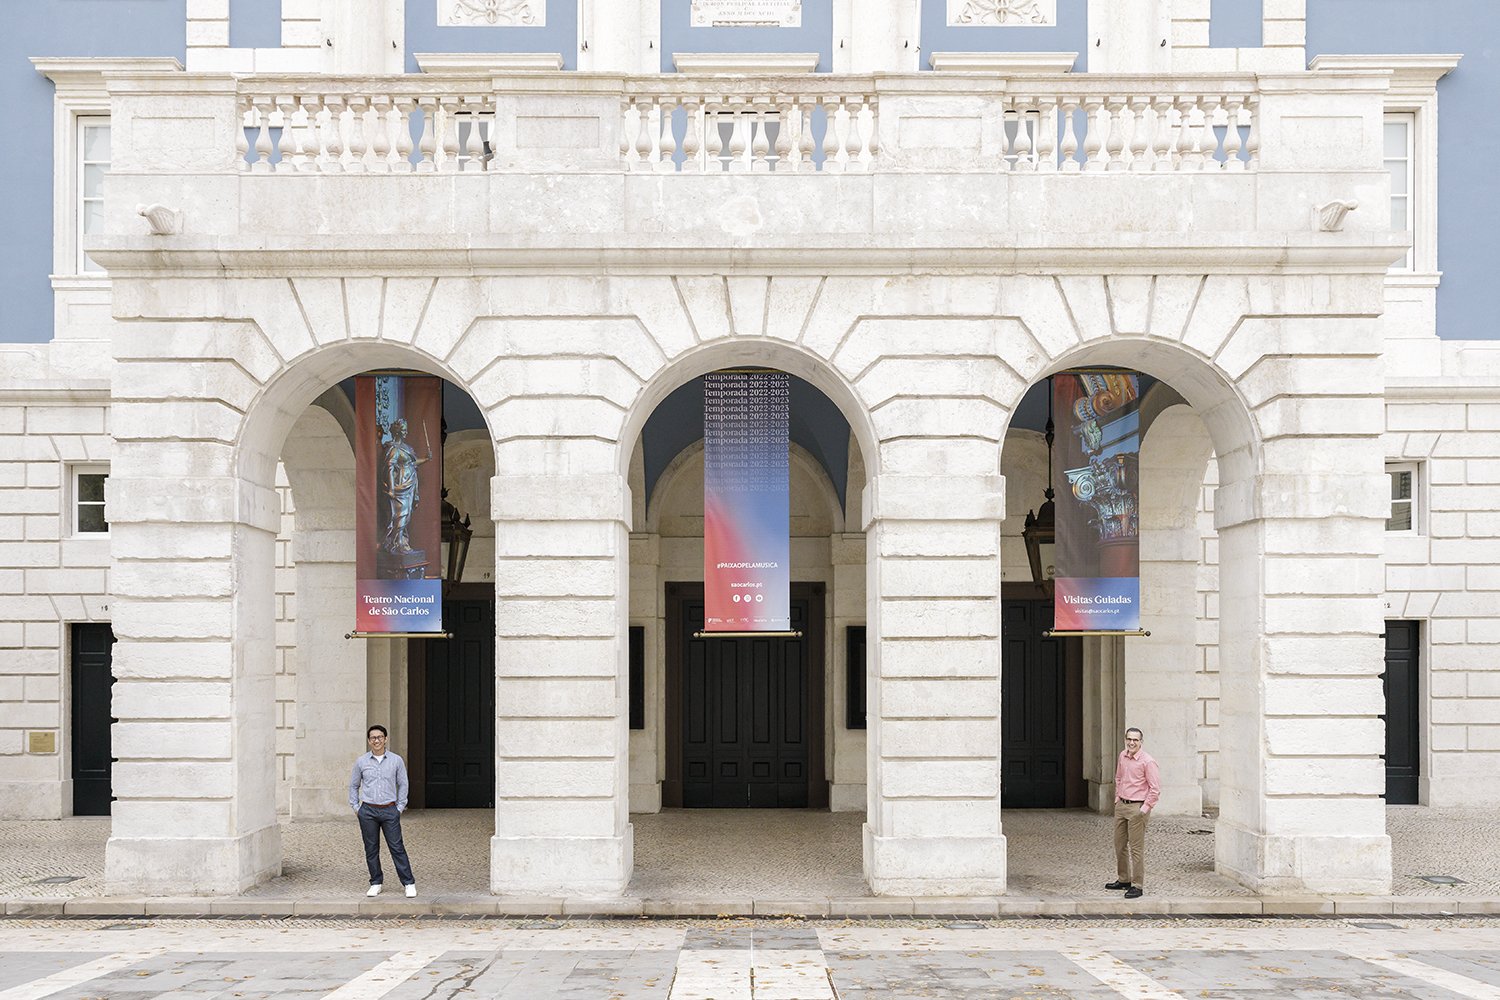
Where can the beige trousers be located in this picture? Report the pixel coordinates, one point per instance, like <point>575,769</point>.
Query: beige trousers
<point>1130,842</point>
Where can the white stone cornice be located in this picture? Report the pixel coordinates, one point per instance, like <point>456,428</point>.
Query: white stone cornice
<point>1453,389</point>
<point>1004,63</point>
<point>87,73</point>
<point>81,391</point>
<point>1414,75</point>
<point>748,63</point>
<point>1333,253</point>
<point>489,63</point>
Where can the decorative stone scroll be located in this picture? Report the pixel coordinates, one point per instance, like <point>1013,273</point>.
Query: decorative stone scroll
<point>492,13</point>
<point>746,13</point>
<point>1002,13</point>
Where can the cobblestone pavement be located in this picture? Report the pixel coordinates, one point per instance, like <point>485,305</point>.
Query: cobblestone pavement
<point>768,854</point>
<point>750,960</point>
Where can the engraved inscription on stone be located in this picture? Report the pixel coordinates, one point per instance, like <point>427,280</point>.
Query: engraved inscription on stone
<point>41,741</point>
<point>1002,13</point>
<point>493,13</point>
<point>746,13</point>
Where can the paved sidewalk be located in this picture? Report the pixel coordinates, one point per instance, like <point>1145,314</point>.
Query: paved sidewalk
<point>768,862</point>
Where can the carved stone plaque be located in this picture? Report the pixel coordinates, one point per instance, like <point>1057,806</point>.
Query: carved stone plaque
<point>41,741</point>
<point>492,13</point>
<point>746,13</point>
<point>1002,13</point>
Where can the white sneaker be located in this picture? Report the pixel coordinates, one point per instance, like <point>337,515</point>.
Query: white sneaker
<point>374,889</point>
<point>411,891</point>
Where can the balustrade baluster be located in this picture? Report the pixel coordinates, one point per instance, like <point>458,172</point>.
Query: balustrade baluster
<point>1093,140</point>
<point>1025,162</point>
<point>831,145</point>
<point>692,135</point>
<point>805,146</point>
<point>1189,148</point>
<point>1162,133</point>
<point>739,141</point>
<point>666,162</point>
<point>241,140</point>
<point>872,137</point>
<point>784,136</point>
<point>449,129</point>
<point>358,134</point>
<point>380,134</point>
<point>310,134</point>
<point>1233,105</point>
<point>263,108</point>
<point>333,145</point>
<point>474,143</point>
<point>1006,111</point>
<point>286,146</point>
<point>1140,141</point>
<point>1252,142</point>
<point>715,162</point>
<point>1213,112</point>
<point>404,108</point>
<point>859,157</point>
<point>628,121</point>
<point>760,142</point>
<point>644,140</point>
<point>1046,135</point>
<point>1115,145</point>
<point>427,144</point>
<point>1070,163</point>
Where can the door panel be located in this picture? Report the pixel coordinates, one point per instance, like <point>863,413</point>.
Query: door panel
<point>1402,724</point>
<point>91,717</point>
<point>460,700</point>
<point>1033,710</point>
<point>744,717</point>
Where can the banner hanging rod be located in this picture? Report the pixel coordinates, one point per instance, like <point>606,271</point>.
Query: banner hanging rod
<point>398,635</point>
<point>1049,633</point>
<point>792,634</point>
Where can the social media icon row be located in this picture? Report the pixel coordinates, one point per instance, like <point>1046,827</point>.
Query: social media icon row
<point>758,598</point>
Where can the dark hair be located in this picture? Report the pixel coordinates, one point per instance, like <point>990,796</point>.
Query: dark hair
<point>375,727</point>
<point>1132,729</point>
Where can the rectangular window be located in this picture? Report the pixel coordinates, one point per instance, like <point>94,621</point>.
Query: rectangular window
<point>88,500</point>
<point>637,677</point>
<point>1400,162</point>
<point>1404,513</point>
<point>854,665</point>
<point>93,164</point>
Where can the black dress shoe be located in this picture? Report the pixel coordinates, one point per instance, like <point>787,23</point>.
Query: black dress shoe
<point>1118,885</point>
<point>1134,892</point>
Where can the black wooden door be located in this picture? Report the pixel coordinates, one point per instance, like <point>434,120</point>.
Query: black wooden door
<point>1402,729</point>
<point>92,679</point>
<point>460,743</point>
<point>1033,710</point>
<point>745,718</point>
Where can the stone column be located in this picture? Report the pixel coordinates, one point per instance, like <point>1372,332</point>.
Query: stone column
<point>193,555</point>
<point>561,748</point>
<point>1300,662</point>
<point>934,700</point>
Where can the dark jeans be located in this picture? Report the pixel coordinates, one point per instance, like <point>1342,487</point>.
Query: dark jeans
<point>373,821</point>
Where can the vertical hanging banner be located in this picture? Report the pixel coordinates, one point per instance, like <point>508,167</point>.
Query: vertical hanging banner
<point>1098,582</point>
<point>746,502</point>
<point>398,499</point>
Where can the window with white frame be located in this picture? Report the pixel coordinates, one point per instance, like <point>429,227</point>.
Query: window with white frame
<point>1400,163</point>
<point>88,499</point>
<point>1404,483</point>
<point>92,164</point>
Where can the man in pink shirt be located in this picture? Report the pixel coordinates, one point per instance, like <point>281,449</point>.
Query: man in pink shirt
<point>1137,787</point>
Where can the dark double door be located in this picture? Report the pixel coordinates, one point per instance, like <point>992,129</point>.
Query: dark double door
<point>93,676</point>
<point>459,743</point>
<point>748,726</point>
<point>1041,711</point>
<point>1402,722</point>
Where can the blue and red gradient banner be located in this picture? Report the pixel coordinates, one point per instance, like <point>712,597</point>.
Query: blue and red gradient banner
<point>746,502</point>
<point>1097,586</point>
<point>398,503</point>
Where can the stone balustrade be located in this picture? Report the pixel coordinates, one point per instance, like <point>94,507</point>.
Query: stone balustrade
<point>731,124</point>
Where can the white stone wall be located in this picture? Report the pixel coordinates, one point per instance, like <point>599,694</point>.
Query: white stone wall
<point>286,647</point>
<point>50,577</point>
<point>1208,639</point>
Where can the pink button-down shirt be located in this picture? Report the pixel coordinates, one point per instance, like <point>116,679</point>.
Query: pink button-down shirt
<point>1138,778</point>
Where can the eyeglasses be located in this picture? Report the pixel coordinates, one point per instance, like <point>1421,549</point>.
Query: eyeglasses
<point>377,739</point>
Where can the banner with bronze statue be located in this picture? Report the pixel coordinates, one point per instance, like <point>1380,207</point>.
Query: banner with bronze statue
<point>1097,586</point>
<point>398,501</point>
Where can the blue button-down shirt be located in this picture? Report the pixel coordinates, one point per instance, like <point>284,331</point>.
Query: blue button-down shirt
<point>379,781</point>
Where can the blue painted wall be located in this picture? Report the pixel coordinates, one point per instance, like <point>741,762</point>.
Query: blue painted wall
<point>424,34</point>
<point>1468,147</point>
<point>55,28</point>
<point>255,24</point>
<point>815,35</point>
<point>1070,34</point>
<point>1236,24</point>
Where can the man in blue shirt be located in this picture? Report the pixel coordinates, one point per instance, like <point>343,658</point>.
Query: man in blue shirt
<point>377,794</point>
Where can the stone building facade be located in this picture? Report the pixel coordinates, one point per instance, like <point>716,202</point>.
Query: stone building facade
<point>921,250</point>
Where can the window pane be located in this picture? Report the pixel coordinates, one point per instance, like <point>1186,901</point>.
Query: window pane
<point>91,487</point>
<point>1400,519</point>
<point>93,180</point>
<point>93,217</point>
<point>1399,215</point>
<point>96,142</point>
<point>91,517</point>
<point>1398,176</point>
<point>1395,139</point>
